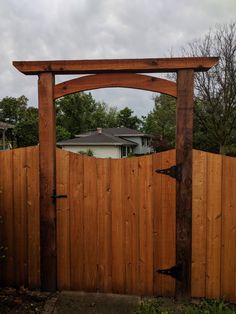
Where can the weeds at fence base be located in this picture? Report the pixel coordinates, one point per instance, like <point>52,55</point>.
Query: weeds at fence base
<point>195,306</point>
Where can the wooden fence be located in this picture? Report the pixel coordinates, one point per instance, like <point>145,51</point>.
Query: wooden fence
<point>117,225</point>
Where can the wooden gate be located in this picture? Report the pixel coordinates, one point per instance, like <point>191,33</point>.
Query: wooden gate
<point>116,227</point>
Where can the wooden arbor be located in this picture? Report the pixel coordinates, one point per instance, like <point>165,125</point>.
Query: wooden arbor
<point>117,73</point>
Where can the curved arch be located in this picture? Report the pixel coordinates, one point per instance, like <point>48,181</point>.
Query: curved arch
<point>127,80</point>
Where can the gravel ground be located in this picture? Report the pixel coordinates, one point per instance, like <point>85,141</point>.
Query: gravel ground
<point>23,301</point>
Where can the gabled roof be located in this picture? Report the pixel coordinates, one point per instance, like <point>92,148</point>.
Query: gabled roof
<point>97,139</point>
<point>122,131</point>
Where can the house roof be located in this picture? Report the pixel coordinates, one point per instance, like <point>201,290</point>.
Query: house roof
<point>122,131</point>
<point>96,138</point>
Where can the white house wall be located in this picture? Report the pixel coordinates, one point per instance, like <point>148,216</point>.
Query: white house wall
<point>98,151</point>
<point>138,149</point>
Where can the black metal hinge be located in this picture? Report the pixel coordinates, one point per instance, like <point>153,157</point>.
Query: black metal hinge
<point>174,172</point>
<point>174,272</point>
<point>55,196</point>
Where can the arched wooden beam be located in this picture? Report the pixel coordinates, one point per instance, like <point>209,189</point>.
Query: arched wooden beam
<point>127,80</point>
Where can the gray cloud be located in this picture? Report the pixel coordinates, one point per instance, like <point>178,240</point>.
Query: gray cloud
<point>84,29</point>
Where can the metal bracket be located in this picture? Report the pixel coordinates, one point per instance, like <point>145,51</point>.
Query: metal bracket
<point>174,272</point>
<point>174,172</point>
<point>55,196</point>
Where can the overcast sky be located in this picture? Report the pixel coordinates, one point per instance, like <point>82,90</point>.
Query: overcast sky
<point>94,29</point>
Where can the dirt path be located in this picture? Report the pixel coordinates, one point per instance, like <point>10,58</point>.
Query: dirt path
<point>95,303</point>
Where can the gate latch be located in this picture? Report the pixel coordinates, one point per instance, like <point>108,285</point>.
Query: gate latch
<point>55,196</point>
<point>174,172</point>
<point>174,272</point>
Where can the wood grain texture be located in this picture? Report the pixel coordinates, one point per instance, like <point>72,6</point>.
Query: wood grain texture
<point>104,225</point>
<point>118,228</point>
<point>76,198</point>
<point>47,167</point>
<point>7,232</point>
<point>228,256</point>
<point>145,225</point>
<point>115,65</point>
<point>90,225</point>
<point>131,216</point>
<point>184,134</point>
<point>199,227</point>
<point>214,221</point>
<point>32,210</point>
<point>63,220</point>
<point>127,80</point>
<point>20,216</point>
<point>113,248</point>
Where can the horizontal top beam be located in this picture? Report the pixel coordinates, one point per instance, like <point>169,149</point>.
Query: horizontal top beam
<point>116,65</point>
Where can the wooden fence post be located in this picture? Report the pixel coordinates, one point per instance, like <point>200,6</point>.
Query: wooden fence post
<point>47,168</point>
<point>184,130</point>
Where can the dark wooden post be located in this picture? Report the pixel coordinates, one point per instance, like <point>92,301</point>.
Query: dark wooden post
<point>184,131</point>
<point>47,168</point>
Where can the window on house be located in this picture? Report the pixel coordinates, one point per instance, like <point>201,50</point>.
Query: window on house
<point>144,141</point>
<point>123,151</point>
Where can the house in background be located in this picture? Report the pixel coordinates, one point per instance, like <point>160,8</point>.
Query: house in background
<point>110,143</point>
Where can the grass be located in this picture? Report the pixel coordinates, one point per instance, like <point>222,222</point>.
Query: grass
<point>169,306</point>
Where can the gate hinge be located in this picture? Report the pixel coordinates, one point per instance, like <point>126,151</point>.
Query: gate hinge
<point>174,272</point>
<point>174,172</point>
<point>55,196</point>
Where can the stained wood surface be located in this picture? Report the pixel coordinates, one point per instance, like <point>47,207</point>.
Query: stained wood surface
<point>214,221</point>
<point>128,80</point>
<point>47,168</point>
<point>63,221</point>
<point>19,208</point>
<point>184,134</point>
<point>128,239</point>
<point>199,223</point>
<point>115,65</point>
<point>228,232</point>
<point>33,223</point>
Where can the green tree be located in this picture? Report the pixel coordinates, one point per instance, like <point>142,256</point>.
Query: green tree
<point>26,130</point>
<point>216,89</point>
<point>12,110</point>
<point>25,119</point>
<point>160,122</point>
<point>62,133</point>
<point>75,113</point>
<point>127,119</point>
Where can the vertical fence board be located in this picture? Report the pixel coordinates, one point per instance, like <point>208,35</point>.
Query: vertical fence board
<point>20,216</point>
<point>214,214</point>
<point>90,224</point>
<point>131,199</point>
<point>167,232</point>
<point>104,225</point>
<point>146,225</point>
<point>118,241</point>
<point>228,268</point>
<point>157,224</point>
<point>7,272</point>
<point>63,220</point>
<point>76,199</point>
<point>199,224</point>
<point>32,162</point>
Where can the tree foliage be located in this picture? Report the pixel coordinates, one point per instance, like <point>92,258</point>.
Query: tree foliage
<point>161,122</point>
<point>126,118</point>
<point>25,120</point>
<point>79,113</point>
<point>216,89</point>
